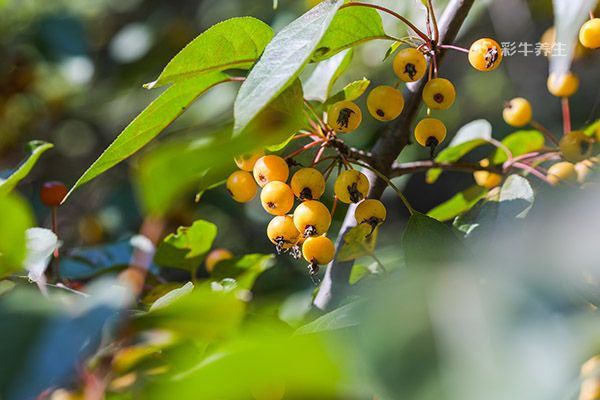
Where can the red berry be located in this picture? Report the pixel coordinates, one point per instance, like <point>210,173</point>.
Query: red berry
<point>53,193</point>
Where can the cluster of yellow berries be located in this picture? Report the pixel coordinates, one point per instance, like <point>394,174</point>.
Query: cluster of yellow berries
<point>590,379</point>
<point>385,103</point>
<point>307,226</point>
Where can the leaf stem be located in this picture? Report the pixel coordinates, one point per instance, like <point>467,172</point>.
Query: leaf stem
<point>545,131</point>
<point>452,47</point>
<point>436,31</point>
<point>532,170</point>
<point>392,13</point>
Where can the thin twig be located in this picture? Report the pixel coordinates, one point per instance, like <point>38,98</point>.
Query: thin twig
<point>421,166</point>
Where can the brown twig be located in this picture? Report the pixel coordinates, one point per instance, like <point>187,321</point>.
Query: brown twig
<point>421,166</point>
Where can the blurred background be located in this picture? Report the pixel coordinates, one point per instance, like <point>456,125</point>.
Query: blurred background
<point>71,73</point>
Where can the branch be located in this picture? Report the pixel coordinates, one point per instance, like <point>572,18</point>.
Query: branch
<point>384,153</point>
<point>420,166</point>
<point>352,153</point>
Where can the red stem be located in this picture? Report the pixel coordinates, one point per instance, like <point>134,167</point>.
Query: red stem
<point>303,149</point>
<point>566,112</point>
<point>334,206</point>
<point>532,171</point>
<point>319,154</point>
<point>452,47</point>
<point>395,14</point>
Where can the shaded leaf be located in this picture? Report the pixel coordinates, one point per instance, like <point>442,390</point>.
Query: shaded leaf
<point>350,27</point>
<point>153,120</point>
<point>519,143</point>
<point>428,243</point>
<point>458,204</point>
<point>340,318</point>
<point>282,61</point>
<point>452,154</point>
<point>244,270</point>
<point>36,149</point>
<point>186,248</point>
<point>359,241</point>
<point>319,84</point>
<point>232,44</point>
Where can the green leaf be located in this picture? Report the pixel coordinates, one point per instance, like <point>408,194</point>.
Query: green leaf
<point>318,86</point>
<point>36,149</point>
<point>470,136</point>
<point>392,49</point>
<point>340,318</point>
<point>15,218</point>
<point>169,171</point>
<point>186,248</point>
<point>512,202</point>
<point>458,204</point>
<point>172,296</point>
<point>358,242</point>
<point>282,61</point>
<point>350,92</point>
<point>232,44</point>
<point>519,143</point>
<point>244,270</point>
<point>153,120</point>
<point>593,129</point>
<point>350,27</point>
<point>213,178</point>
<point>428,242</point>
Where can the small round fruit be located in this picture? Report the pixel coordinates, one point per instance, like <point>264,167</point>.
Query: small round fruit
<point>584,169</point>
<point>53,193</point>
<point>246,162</point>
<point>563,85</point>
<point>439,94</point>
<point>312,218</point>
<point>370,211</point>
<point>308,184</point>
<point>517,112</point>
<point>589,34</point>
<point>277,198</point>
<point>318,250</point>
<point>430,132</point>
<point>410,65</point>
<point>344,116</point>
<point>385,103</point>
<point>486,179</point>
<point>590,368</point>
<point>485,55</point>
<point>269,169</point>
<point>575,146</point>
<point>562,172</point>
<point>215,257</point>
<point>241,186</point>
<point>351,186</point>
<point>282,232</point>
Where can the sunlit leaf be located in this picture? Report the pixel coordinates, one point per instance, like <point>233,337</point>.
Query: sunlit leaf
<point>392,49</point>
<point>519,143</point>
<point>172,296</point>
<point>458,204</point>
<point>15,218</point>
<point>350,27</point>
<point>153,120</point>
<point>282,61</point>
<point>244,270</point>
<point>593,129</point>
<point>36,149</point>
<point>41,244</point>
<point>318,85</point>
<point>186,248</point>
<point>350,92</point>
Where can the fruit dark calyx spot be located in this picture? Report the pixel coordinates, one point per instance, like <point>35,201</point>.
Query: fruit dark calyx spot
<point>380,113</point>
<point>438,98</point>
<point>584,146</point>
<point>313,271</point>
<point>310,230</point>
<point>432,143</point>
<point>355,194</point>
<point>411,70</point>
<point>491,56</point>
<point>271,205</point>
<point>306,194</point>
<point>262,178</point>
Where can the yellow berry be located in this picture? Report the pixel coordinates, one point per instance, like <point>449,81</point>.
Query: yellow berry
<point>589,389</point>
<point>308,184</point>
<point>344,116</point>
<point>486,179</point>
<point>282,232</point>
<point>439,94</point>
<point>485,55</point>
<point>410,65</point>
<point>562,172</point>
<point>318,250</point>
<point>584,169</point>
<point>430,132</point>
<point>277,198</point>
<point>312,218</point>
<point>270,168</point>
<point>385,103</point>
<point>589,34</point>
<point>548,44</point>
<point>246,162</point>
<point>575,146</point>
<point>215,257</point>
<point>590,368</point>
<point>241,186</point>
<point>370,211</point>
<point>351,186</point>
<point>564,85</point>
<point>517,112</point>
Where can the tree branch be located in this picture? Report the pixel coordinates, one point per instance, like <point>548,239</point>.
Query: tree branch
<point>420,166</point>
<point>384,153</point>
